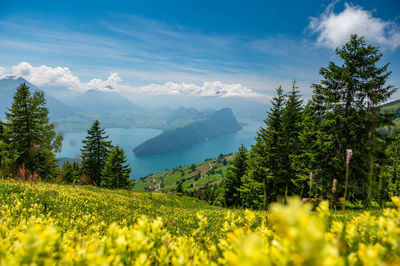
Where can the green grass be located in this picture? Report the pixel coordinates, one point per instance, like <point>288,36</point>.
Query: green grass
<point>169,179</point>
<point>67,203</point>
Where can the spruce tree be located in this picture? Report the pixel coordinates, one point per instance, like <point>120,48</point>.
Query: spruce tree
<point>95,152</point>
<point>70,172</point>
<point>292,116</point>
<point>29,136</point>
<point>115,173</point>
<point>307,160</point>
<point>348,102</point>
<point>233,179</point>
<point>267,159</point>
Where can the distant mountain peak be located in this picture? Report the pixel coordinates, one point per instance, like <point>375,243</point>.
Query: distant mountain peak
<point>101,101</point>
<point>9,85</point>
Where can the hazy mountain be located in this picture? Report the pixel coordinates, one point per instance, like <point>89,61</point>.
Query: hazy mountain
<point>8,87</point>
<point>183,116</point>
<point>243,108</point>
<point>212,125</point>
<point>101,101</point>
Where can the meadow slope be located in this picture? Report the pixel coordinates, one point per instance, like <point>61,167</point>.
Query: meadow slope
<point>48,224</point>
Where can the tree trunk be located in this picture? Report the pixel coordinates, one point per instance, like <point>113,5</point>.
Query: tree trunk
<point>380,186</point>
<point>265,193</point>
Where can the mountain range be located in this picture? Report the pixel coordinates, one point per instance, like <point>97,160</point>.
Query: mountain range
<point>8,87</point>
<point>73,111</point>
<point>101,101</point>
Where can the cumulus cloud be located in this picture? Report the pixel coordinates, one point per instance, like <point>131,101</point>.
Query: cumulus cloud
<point>62,76</point>
<point>42,75</point>
<point>334,30</point>
<point>59,76</point>
<point>214,88</point>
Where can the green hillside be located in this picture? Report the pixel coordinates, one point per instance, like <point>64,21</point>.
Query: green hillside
<point>209,172</point>
<point>393,108</point>
<point>393,105</point>
<point>69,204</point>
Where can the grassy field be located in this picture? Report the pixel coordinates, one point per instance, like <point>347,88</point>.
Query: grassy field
<point>209,172</point>
<point>48,224</point>
<point>63,202</point>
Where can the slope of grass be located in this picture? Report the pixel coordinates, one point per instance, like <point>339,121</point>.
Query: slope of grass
<point>209,172</point>
<point>65,203</point>
<point>46,224</point>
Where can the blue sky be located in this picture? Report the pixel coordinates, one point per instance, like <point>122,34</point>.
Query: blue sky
<point>193,48</point>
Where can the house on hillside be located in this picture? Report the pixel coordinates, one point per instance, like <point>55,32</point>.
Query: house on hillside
<point>149,188</point>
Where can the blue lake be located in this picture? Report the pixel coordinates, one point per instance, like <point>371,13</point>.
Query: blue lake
<point>144,165</point>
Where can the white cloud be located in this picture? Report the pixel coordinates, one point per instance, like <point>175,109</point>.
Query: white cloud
<point>111,81</point>
<point>334,30</point>
<point>214,88</point>
<point>2,72</point>
<point>45,75</point>
<point>62,76</point>
<point>59,76</point>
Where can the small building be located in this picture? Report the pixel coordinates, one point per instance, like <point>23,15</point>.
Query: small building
<point>150,188</point>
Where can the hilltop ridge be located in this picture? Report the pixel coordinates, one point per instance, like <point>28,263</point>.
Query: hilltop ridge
<point>211,125</point>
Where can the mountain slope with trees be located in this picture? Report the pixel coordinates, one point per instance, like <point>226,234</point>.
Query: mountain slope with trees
<point>212,125</point>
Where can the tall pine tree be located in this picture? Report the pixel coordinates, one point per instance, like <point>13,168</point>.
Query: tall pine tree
<point>266,173</point>
<point>29,136</point>
<point>292,116</point>
<point>95,152</point>
<point>348,101</point>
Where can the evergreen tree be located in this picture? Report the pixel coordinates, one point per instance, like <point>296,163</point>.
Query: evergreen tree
<point>220,196</point>
<point>29,137</point>
<point>95,152</point>
<point>115,173</point>
<point>70,172</point>
<point>392,169</point>
<point>233,179</point>
<point>252,192</point>
<point>179,188</point>
<point>266,160</point>
<point>292,116</point>
<point>348,101</point>
<point>309,157</point>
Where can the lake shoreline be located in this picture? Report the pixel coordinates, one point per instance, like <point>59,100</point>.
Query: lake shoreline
<point>145,165</point>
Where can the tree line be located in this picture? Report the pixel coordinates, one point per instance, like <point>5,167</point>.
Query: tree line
<point>332,147</point>
<point>28,143</point>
